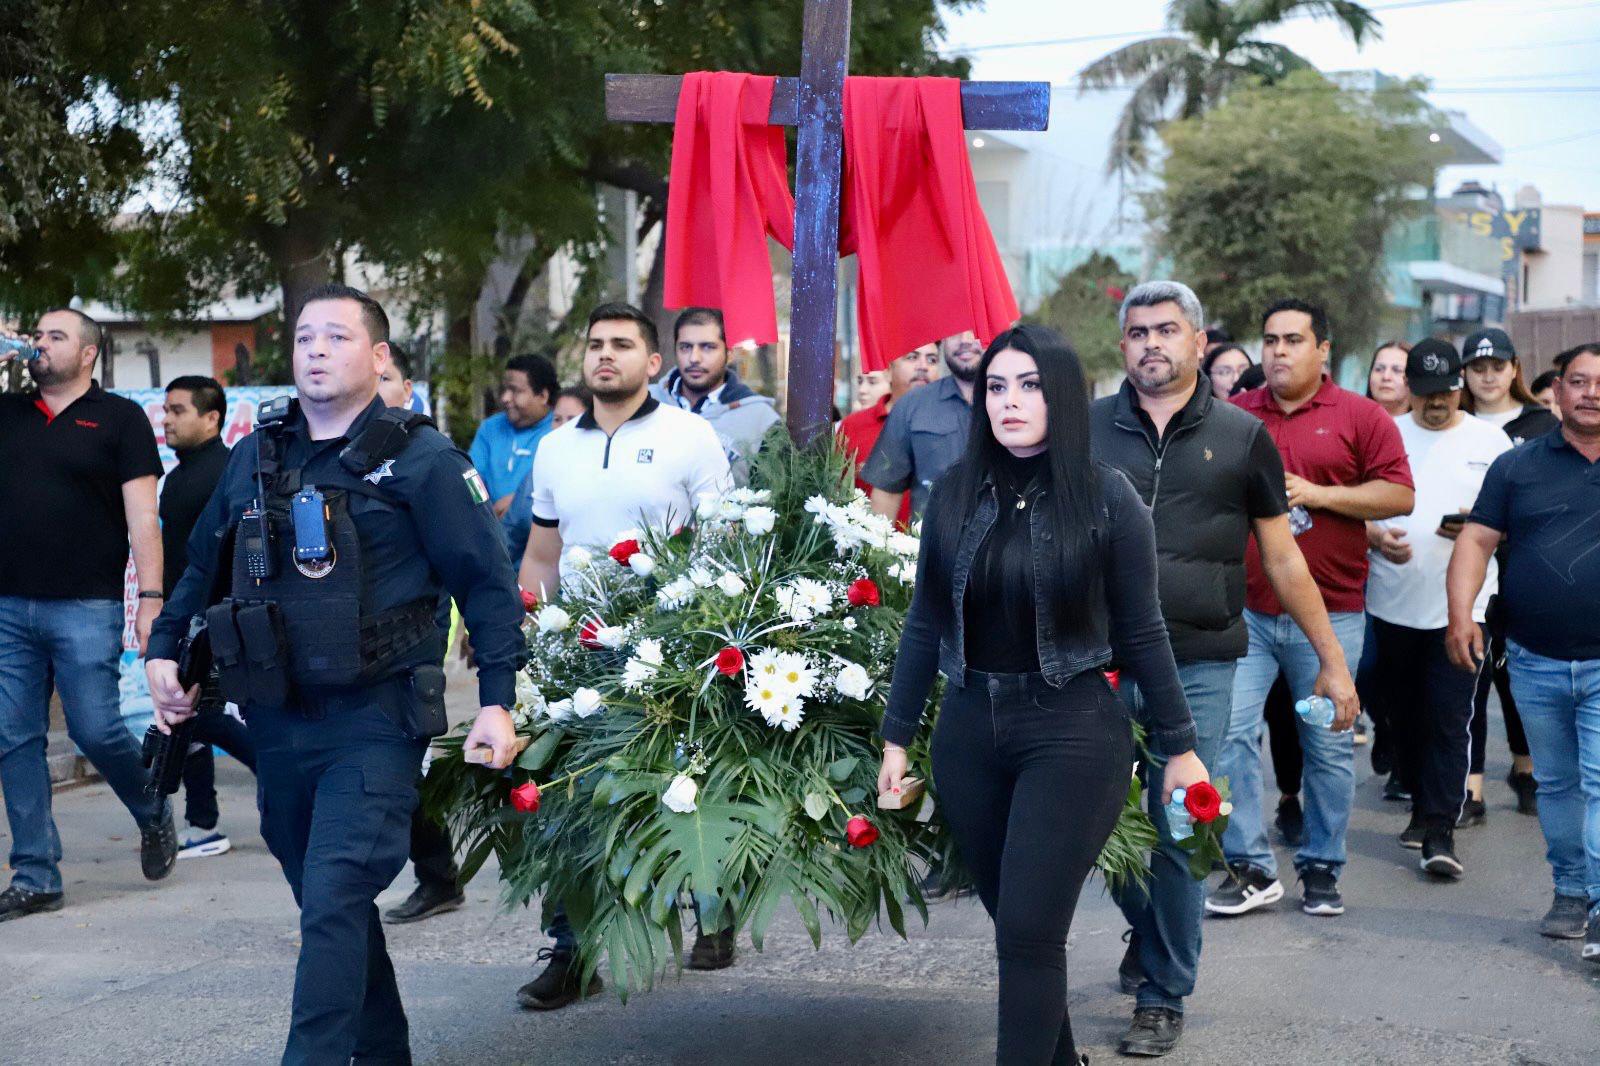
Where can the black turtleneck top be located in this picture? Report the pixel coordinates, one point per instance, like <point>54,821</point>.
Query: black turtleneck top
<point>1001,625</point>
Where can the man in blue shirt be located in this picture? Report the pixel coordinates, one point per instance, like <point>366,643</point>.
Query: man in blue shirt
<point>505,443</point>
<point>1542,501</point>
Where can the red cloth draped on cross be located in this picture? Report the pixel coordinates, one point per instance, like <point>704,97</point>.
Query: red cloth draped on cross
<point>928,263</point>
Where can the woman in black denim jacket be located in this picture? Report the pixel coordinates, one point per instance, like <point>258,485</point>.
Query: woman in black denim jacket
<point>1037,567</point>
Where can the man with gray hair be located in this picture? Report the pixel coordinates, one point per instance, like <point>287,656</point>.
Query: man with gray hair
<point>1212,476</point>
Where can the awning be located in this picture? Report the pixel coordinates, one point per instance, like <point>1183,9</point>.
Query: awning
<point>1438,276</point>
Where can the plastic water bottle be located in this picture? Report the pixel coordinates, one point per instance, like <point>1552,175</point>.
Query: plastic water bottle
<point>1317,710</point>
<point>1178,824</point>
<point>17,348</point>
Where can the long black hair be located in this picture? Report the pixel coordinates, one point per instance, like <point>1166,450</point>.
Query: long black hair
<point>1073,495</point>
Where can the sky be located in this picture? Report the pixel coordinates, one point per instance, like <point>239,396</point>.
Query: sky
<point>1526,72</point>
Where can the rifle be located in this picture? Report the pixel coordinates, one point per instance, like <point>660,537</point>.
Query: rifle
<point>163,754</point>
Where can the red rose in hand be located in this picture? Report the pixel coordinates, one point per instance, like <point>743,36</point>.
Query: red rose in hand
<point>623,550</point>
<point>525,797</point>
<point>730,661</point>
<point>530,602</point>
<point>586,635</point>
<point>1114,679</point>
<point>862,593</point>
<point>859,832</point>
<point>1202,801</point>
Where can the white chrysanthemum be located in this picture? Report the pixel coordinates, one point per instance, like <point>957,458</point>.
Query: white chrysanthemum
<point>612,637</point>
<point>674,594</point>
<point>552,619</point>
<point>790,604</point>
<point>701,578</point>
<point>579,558</point>
<point>904,544</point>
<point>648,650</point>
<point>559,711</point>
<point>813,595</point>
<point>853,682</point>
<point>642,564</point>
<point>850,624</point>
<point>759,521</point>
<point>796,674</point>
<point>748,497</point>
<point>586,702</point>
<point>635,672</point>
<point>680,794</point>
<point>731,584</point>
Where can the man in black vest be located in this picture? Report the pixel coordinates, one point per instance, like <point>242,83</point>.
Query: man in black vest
<point>1212,476</point>
<point>336,528</point>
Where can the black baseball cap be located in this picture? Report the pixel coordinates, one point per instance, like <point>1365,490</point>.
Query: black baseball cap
<point>1488,344</point>
<point>1433,366</point>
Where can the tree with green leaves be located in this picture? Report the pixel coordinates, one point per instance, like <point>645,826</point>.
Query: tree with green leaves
<point>1214,46</point>
<point>1289,190</point>
<point>1083,308</point>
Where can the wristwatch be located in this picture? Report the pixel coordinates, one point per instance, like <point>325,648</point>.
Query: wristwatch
<point>150,594</point>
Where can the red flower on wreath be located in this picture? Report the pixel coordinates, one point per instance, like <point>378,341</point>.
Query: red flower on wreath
<point>624,550</point>
<point>1202,801</point>
<point>587,635</point>
<point>730,661</point>
<point>525,797</point>
<point>859,832</point>
<point>863,592</point>
<point>529,601</point>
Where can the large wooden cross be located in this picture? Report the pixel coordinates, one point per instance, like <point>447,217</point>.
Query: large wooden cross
<point>815,101</point>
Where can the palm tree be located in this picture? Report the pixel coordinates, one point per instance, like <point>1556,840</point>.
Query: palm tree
<point>1213,46</point>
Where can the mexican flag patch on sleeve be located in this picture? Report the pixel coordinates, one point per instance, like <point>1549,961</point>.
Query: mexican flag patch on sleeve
<point>475,486</point>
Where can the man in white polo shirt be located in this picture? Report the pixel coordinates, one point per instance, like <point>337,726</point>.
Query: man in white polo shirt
<point>1428,701</point>
<point>629,462</point>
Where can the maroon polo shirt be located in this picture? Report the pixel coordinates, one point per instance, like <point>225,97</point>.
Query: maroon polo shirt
<point>1335,438</point>
<point>858,433</point>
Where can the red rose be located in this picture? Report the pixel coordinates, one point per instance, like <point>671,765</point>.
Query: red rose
<point>624,550</point>
<point>586,635</point>
<point>1202,801</point>
<point>525,797</point>
<point>1114,679</point>
<point>862,593</point>
<point>730,661</point>
<point>529,601</point>
<point>859,832</point>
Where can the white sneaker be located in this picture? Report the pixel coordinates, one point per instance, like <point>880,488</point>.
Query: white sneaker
<point>201,843</point>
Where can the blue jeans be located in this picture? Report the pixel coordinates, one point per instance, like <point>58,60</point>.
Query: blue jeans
<point>1276,644</point>
<point>1165,914</point>
<point>1560,706</point>
<point>78,643</point>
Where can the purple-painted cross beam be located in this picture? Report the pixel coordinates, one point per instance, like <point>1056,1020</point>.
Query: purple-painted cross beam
<point>815,101</point>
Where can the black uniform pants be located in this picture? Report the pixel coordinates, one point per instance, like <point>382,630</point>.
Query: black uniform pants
<point>337,787</point>
<point>1032,780</point>
<point>1427,702</point>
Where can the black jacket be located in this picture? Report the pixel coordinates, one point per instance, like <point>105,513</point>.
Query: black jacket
<point>1126,620</point>
<point>1198,484</point>
<point>1534,421</point>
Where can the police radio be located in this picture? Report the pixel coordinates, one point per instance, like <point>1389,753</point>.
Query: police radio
<point>255,529</point>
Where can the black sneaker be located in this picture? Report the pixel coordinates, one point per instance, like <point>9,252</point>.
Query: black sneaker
<point>1439,853</point>
<point>1394,791</point>
<point>1291,821</point>
<point>19,902</point>
<point>1130,975</point>
<point>1319,893</point>
<point>712,951</point>
<point>1527,790</point>
<point>1411,836</point>
<point>158,847</point>
<point>424,902</point>
<point>557,986</point>
<point>1565,919</point>
<point>1382,756</point>
<point>1153,1032</point>
<point>1473,812</point>
<point>1591,939</point>
<point>1243,890</point>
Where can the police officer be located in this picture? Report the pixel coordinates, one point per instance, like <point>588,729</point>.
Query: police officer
<point>317,566</point>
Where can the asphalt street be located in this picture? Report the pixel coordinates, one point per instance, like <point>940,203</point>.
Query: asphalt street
<point>198,969</point>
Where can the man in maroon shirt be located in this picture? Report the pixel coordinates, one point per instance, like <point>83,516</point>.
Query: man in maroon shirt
<point>1345,465</point>
<point>859,431</point>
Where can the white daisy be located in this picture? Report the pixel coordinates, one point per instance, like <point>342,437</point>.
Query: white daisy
<point>795,674</point>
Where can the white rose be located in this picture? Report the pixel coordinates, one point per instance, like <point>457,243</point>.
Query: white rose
<point>559,711</point>
<point>642,564</point>
<point>852,682</point>
<point>680,795</point>
<point>612,637</point>
<point>552,619</point>
<point>579,558</point>
<point>731,584</point>
<point>586,702</point>
<point>759,521</point>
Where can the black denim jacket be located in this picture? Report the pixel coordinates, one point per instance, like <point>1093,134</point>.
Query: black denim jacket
<point>1126,622</point>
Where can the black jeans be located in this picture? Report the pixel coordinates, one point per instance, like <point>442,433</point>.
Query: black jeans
<point>1495,674</point>
<point>1283,736</point>
<point>1427,702</point>
<point>212,726</point>
<point>1032,780</point>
